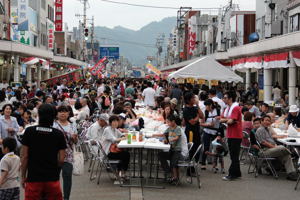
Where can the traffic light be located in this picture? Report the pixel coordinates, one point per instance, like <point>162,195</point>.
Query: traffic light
<point>86,33</point>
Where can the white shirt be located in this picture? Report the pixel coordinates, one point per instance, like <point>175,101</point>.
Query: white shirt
<point>95,132</point>
<point>100,90</point>
<point>220,102</point>
<point>211,119</point>
<point>149,94</point>
<point>61,87</point>
<point>202,106</point>
<point>10,163</point>
<point>86,110</point>
<point>277,93</point>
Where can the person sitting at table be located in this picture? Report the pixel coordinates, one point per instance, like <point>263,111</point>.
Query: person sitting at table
<point>172,136</point>
<point>271,149</point>
<point>293,117</point>
<point>123,126</point>
<point>247,127</point>
<point>254,148</point>
<point>95,131</point>
<point>167,111</point>
<point>111,137</point>
<point>130,114</point>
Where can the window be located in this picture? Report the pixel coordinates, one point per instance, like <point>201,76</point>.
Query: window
<point>294,23</point>
<point>43,35</point>
<point>43,4</point>
<point>50,13</point>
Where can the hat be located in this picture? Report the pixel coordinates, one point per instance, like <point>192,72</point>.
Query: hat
<point>104,117</point>
<point>174,101</point>
<point>293,109</point>
<point>123,115</point>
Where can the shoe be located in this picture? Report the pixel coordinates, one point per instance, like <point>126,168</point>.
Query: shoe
<point>203,167</point>
<point>293,176</point>
<point>229,178</point>
<point>223,171</point>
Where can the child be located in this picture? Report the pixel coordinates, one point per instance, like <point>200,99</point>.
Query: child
<point>173,137</point>
<point>218,155</point>
<point>9,174</point>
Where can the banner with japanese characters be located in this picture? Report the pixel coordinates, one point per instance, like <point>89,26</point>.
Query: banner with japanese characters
<point>58,15</point>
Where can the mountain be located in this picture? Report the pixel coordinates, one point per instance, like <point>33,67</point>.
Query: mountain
<point>136,45</point>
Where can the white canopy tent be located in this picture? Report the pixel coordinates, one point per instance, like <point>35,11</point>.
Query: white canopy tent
<point>206,68</point>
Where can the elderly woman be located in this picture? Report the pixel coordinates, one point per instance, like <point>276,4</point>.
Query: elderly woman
<point>112,136</point>
<point>8,124</point>
<point>130,114</point>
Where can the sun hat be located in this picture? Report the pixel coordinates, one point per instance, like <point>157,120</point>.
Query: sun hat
<point>293,109</point>
<point>174,101</point>
<point>104,117</point>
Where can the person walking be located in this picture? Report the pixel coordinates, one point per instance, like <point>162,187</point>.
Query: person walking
<point>232,116</point>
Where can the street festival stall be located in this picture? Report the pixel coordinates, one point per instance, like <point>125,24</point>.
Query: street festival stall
<point>206,68</point>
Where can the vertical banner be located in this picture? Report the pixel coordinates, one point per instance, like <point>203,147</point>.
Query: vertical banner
<point>192,36</point>
<point>58,15</point>
<point>50,36</point>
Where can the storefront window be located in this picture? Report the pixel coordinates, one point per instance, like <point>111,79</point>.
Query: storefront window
<point>294,23</point>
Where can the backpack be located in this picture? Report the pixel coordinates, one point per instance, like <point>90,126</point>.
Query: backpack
<point>107,101</point>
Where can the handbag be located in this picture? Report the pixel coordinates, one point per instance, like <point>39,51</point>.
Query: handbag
<point>78,164</point>
<point>114,148</point>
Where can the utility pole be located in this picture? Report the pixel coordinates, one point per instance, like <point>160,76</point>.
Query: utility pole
<point>85,26</point>
<point>92,38</point>
<point>159,45</point>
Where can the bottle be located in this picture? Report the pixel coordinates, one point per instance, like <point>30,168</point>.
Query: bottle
<point>191,136</point>
<point>129,138</point>
<point>141,137</point>
<point>134,137</point>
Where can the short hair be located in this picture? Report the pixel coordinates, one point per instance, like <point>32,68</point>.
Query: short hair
<point>77,105</point>
<point>248,116</point>
<point>257,120</point>
<point>40,93</point>
<point>250,103</point>
<point>171,118</point>
<point>266,105</point>
<point>208,102</point>
<point>212,91</point>
<point>149,84</point>
<point>47,114</point>
<point>63,109</point>
<point>113,118</point>
<point>231,95</point>
<point>278,111</point>
<point>7,105</point>
<point>188,96</point>
<point>9,143</point>
<point>203,96</point>
<point>265,116</point>
<point>245,109</point>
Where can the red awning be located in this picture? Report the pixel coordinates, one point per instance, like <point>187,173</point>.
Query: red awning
<point>278,60</point>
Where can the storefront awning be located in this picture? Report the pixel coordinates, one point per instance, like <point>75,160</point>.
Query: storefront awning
<point>278,60</point>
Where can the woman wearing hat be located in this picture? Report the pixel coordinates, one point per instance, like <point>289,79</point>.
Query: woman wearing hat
<point>293,117</point>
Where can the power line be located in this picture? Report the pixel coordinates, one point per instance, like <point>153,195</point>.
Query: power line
<point>150,6</point>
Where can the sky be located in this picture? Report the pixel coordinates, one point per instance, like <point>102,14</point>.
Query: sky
<point>112,15</point>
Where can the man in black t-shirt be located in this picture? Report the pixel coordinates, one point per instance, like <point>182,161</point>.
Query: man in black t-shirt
<point>43,153</point>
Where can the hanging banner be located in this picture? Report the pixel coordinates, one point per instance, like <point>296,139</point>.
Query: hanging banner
<point>254,62</point>
<point>153,69</point>
<point>214,82</point>
<point>99,66</point>
<point>180,81</point>
<point>201,81</point>
<point>296,57</point>
<point>190,80</point>
<point>278,60</point>
<point>58,15</point>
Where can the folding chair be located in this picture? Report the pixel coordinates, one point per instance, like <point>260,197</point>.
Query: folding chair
<point>93,158</point>
<point>109,165</point>
<point>188,164</point>
<point>296,186</point>
<point>262,158</point>
<point>244,148</point>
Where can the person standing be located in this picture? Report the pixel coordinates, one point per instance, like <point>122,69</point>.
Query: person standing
<point>149,95</point>
<point>177,93</point>
<point>69,130</point>
<point>232,116</point>
<point>192,115</point>
<point>42,155</point>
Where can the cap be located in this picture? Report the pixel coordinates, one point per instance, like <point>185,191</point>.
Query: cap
<point>293,109</point>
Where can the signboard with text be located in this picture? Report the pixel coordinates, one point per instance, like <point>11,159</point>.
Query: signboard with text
<point>109,52</point>
<point>58,15</point>
<point>50,36</point>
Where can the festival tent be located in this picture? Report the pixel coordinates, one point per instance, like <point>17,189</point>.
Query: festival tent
<point>206,68</point>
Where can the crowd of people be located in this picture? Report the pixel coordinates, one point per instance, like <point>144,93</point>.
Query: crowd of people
<point>40,124</point>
